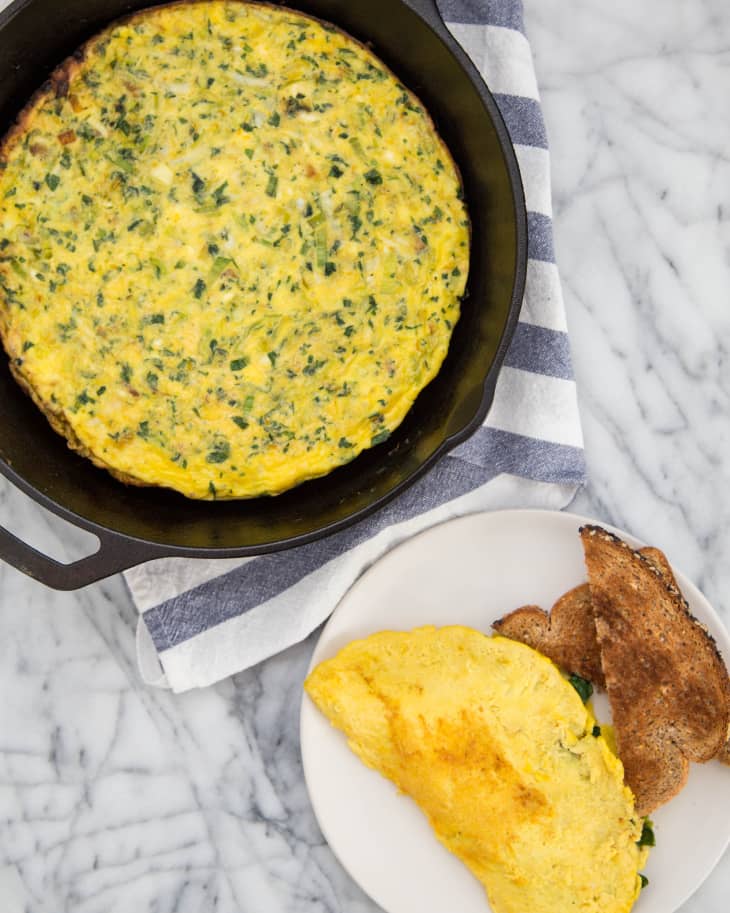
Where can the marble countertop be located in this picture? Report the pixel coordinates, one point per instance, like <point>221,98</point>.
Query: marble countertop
<point>115,797</point>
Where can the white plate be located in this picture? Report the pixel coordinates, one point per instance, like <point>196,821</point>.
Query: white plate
<point>472,571</point>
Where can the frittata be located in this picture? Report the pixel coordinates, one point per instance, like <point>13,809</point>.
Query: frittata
<point>502,756</point>
<point>232,249</point>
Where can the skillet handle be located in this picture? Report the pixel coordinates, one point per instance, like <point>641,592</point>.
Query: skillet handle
<point>428,10</point>
<point>116,553</point>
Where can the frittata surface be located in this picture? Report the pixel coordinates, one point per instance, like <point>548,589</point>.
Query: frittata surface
<point>498,750</point>
<point>232,249</point>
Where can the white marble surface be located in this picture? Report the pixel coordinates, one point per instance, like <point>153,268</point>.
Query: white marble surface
<point>118,798</point>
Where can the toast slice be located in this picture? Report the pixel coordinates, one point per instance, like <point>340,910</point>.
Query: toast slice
<point>666,681</point>
<point>567,635</point>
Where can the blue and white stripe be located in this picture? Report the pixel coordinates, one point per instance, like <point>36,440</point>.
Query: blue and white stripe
<point>203,621</point>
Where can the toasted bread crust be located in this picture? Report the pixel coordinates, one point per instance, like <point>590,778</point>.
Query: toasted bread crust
<point>654,768</point>
<point>724,754</point>
<point>666,681</point>
<point>657,557</point>
<point>567,635</point>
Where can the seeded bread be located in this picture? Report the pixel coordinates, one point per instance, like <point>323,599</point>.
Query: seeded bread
<point>567,635</point>
<point>666,681</point>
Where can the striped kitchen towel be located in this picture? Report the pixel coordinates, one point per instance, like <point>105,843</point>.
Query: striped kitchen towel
<point>204,620</point>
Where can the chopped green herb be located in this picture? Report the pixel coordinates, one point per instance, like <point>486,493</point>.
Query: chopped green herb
<point>272,186</point>
<point>199,288</point>
<point>158,267</point>
<point>220,265</point>
<point>124,163</point>
<point>355,225</point>
<point>259,72</point>
<point>596,731</point>
<point>241,422</point>
<point>313,365</point>
<point>294,105</point>
<point>380,438</point>
<point>373,177</point>
<point>219,196</point>
<point>238,364</point>
<point>17,268</point>
<point>582,686</point>
<point>220,452</point>
<point>647,834</point>
<point>52,180</point>
<point>83,399</point>
<point>644,880</point>
<point>357,146</point>
<point>345,444</point>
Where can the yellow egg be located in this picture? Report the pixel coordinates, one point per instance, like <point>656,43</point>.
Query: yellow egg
<point>498,750</point>
<point>232,249</point>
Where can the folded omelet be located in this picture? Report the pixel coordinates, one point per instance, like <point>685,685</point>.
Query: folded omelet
<point>499,751</point>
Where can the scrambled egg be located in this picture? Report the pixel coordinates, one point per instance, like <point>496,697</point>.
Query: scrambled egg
<point>232,249</point>
<point>499,752</point>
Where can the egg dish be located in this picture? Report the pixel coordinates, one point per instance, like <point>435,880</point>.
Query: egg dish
<point>232,249</point>
<point>502,756</point>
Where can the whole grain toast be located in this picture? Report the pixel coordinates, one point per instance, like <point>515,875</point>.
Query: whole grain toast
<point>666,681</point>
<point>724,754</point>
<point>657,557</point>
<point>567,635</point>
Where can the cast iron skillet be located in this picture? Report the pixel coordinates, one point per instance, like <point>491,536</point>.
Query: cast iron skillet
<point>137,524</point>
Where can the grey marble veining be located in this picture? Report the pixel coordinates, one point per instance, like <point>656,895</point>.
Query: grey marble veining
<point>114,797</point>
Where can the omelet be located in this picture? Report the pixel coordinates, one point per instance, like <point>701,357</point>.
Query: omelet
<point>232,249</point>
<point>501,755</point>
